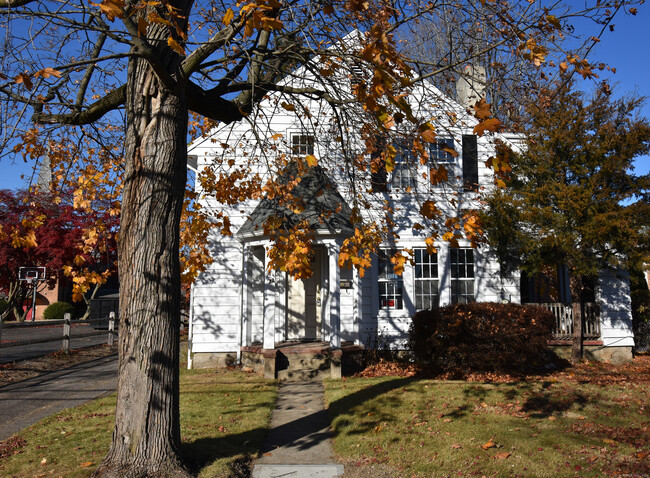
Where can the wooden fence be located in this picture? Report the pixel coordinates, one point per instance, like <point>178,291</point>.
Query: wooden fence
<point>563,325</point>
<point>66,337</point>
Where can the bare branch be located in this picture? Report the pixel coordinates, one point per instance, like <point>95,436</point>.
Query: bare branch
<point>89,71</point>
<point>14,3</point>
<point>111,101</point>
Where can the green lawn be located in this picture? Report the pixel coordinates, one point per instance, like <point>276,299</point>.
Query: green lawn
<point>224,416</point>
<point>547,427</point>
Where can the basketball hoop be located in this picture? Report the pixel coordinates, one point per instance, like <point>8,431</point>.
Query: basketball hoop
<point>32,275</point>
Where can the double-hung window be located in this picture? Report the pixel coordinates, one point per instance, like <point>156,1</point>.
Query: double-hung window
<point>426,280</point>
<point>390,284</point>
<point>302,144</point>
<point>462,276</point>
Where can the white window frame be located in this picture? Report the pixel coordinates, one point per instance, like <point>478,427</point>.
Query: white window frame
<point>403,175</point>
<point>462,275</point>
<point>303,146</point>
<point>437,154</point>
<point>390,285</point>
<point>426,282</point>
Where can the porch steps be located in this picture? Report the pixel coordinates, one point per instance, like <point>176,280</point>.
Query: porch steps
<point>298,367</point>
<point>301,361</point>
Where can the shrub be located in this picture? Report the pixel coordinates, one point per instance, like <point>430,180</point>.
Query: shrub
<point>481,337</point>
<point>57,310</point>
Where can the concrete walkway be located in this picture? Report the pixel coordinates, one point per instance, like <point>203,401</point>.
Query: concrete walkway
<point>298,443</point>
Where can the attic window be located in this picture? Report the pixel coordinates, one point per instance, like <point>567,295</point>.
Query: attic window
<point>356,73</point>
<point>302,143</point>
<point>405,160</point>
<point>439,150</point>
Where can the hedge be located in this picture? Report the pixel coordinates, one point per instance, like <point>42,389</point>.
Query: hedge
<point>57,310</point>
<point>481,337</point>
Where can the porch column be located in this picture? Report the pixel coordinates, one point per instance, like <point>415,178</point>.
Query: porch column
<point>280,307</point>
<point>269,308</point>
<point>358,306</point>
<point>333,312</point>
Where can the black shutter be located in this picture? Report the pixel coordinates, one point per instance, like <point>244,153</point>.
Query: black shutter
<point>379,179</point>
<point>470,163</point>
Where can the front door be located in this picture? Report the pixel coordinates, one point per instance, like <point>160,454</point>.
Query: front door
<point>303,311</point>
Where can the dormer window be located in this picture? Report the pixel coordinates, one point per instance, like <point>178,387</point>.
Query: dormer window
<point>302,144</point>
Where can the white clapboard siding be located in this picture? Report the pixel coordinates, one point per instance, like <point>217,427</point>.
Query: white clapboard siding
<point>615,308</point>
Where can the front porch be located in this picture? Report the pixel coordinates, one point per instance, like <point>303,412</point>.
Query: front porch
<point>298,361</point>
<point>563,324</point>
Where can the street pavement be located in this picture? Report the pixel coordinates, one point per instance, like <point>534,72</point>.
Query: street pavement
<point>12,335</point>
<point>24,403</point>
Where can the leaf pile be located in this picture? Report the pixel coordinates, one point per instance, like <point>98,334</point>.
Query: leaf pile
<point>386,368</point>
<point>11,446</point>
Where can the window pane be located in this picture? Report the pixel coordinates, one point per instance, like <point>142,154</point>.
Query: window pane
<point>437,150</point>
<point>462,275</point>
<point>390,284</point>
<point>302,144</point>
<point>426,289</point>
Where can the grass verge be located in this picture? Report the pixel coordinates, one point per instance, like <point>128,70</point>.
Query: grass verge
<point>561,425</point>
<point>224,417</point>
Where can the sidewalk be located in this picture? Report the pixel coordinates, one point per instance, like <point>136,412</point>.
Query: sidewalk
<point>24,403</point>
<point>298,444</point>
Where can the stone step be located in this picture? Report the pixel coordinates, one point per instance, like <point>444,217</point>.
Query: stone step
<point>305,374</point>
<point>300,362</point>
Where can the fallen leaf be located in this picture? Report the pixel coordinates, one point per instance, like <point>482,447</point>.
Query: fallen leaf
<point>489,444</point>
<point>552,418</point>
<point>456,445</point>
<point>609,441</point>
<point>502,455</point>
<point>86,464</point>
<point>642,454</point>
<point>447,420</point>
<point>44,461</point>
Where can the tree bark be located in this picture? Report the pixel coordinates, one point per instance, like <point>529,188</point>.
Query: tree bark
<point>146,438</point>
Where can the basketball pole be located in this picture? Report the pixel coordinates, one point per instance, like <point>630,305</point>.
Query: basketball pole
<point>34,300</point>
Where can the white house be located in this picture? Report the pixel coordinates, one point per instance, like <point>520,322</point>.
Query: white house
<point>243,311</point>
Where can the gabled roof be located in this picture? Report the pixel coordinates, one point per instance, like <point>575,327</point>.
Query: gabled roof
<point>324,208</point>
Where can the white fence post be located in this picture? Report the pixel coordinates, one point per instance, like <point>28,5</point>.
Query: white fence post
<point>66,332</point>
<point>111,328</point>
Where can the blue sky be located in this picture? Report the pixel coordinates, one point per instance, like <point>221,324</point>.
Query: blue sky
<point>626,49</point>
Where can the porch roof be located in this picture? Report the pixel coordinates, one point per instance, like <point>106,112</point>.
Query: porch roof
<point>325,209</point>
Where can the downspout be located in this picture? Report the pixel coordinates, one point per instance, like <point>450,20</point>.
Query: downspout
<point>241,303</point>
<point>191,330</point>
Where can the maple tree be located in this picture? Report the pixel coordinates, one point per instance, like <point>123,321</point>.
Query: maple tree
<point>37,231</point>
<point>572,198</point>
<point>93,68</point>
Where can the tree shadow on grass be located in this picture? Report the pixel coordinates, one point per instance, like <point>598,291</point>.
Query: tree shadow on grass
<point>204,451</point>
<point>378,411</point>
<point>545,403</point>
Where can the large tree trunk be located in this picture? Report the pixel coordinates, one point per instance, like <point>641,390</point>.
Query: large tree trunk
<point>146,437</point>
